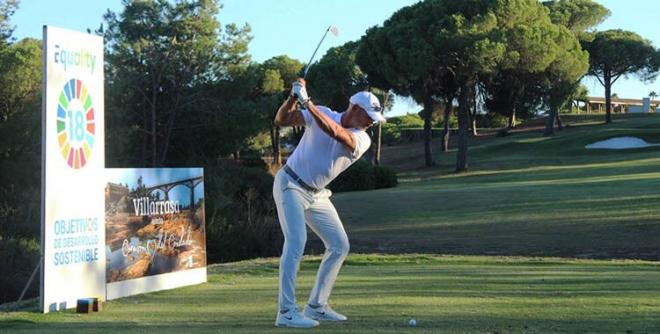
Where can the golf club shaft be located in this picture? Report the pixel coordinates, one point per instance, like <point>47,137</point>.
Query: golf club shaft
<point>314,54</point>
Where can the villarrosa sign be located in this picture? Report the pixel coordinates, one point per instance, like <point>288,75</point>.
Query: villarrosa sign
<point>106,233</point>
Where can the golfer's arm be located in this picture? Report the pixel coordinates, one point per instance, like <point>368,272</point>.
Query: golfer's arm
<point>288,114</point>
<point>333,129</point>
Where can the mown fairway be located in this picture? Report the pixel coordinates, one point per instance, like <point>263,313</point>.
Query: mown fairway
<point>381,293</point>
<point>525,195</point>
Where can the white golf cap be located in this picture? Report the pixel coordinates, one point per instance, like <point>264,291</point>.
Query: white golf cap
<point>369,102</point>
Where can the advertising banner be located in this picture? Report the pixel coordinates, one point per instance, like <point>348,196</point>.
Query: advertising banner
<point>72,222</point>
<point>154,229</point>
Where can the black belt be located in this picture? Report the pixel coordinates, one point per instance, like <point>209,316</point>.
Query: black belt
<point>298,180</point>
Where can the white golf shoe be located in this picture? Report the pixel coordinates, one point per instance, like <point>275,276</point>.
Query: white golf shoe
<point>323,313</point>
<point>293,318</point>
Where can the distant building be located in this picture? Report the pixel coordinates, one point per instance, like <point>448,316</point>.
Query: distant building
<point>597,104</point>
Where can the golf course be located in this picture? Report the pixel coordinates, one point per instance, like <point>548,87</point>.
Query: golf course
<point>541,236</point>
<point>526,195</point>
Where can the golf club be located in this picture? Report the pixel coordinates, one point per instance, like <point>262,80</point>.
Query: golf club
<point>331,29</point>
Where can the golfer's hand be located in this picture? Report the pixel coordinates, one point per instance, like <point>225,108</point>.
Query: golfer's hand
<point>299,92</point>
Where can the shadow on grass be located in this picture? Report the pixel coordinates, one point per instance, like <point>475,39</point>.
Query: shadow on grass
<point>8,324</point>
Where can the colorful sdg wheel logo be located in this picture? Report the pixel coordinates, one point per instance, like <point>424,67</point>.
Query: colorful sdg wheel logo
<point>75,124</point>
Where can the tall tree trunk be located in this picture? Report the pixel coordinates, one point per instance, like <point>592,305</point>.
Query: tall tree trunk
<point>154,148</point>
<point>474,122</point>
<point>154,132</point>
<point>473,106</point>
<point>428,131</point>
<point>145,139</point>
<point>512,118</point>
<point>275,145</point>
<point>608,97</point>
<point>560,125</point>
<point>571,108</point>
<point>463,120</point>
<point>170,128</point>
<point>445,131</point>
<point>277,157</point>
<point>379,135</point>
<point>550,122</point>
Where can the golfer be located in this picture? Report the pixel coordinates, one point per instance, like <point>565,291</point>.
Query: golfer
<point>331,143</point>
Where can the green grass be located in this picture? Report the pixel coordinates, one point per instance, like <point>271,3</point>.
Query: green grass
<point>538,203</point>
<point>381,293</point>
<point>524,195</point>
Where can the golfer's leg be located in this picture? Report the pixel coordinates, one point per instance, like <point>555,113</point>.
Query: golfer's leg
<point>324,221</point>
<point>290,210</point>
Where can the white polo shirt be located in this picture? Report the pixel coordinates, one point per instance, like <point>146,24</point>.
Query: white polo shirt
<point>318,159</point>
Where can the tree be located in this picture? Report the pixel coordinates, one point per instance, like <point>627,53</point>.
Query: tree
<point>20,77</point>
<point>511,93</point>
<point>652,96</point>
<point>617,53</point>
<point>398,56</point>
<point>448,91</point>
<point>20,138</point>
<point>562,80</point>
<point>20,155</point>
<point>423,46</point>
<point>278,75</point>
<point>336,76</point>
<point>387,100</point>
<point>581,94</point>
<point>537,79</point>
<point>161,59</point>
<point>560,84</point>
<point>227,115</point>
<point>577,15</point>
<point>521,90</point>
<point>7,9</point>
<point>20,161</point>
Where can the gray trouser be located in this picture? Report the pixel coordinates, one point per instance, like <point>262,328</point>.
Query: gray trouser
<point>295,207</point>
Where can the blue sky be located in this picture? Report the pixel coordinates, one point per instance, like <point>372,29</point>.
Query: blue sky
<point>295,27</point>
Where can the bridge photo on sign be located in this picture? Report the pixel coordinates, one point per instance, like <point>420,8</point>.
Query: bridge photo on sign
<point>154,222</point>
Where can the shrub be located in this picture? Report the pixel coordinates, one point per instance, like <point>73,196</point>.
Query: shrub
<point>392,129</point>
<point>359,176</point>
<point>362,176</point>
<point>18,260</point>
<point>492,120</point>
<point>241,220</point>
<point>453,122</point>
<point>411,134</point>
<point>252,160</point>
<point>385,177</point>
<point>391,133</point>
<point>406,121</point>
